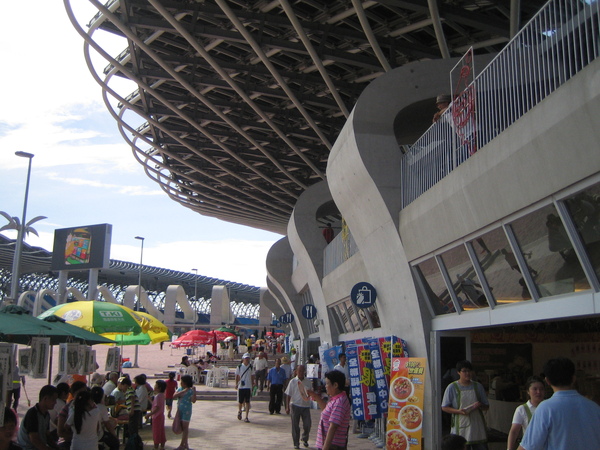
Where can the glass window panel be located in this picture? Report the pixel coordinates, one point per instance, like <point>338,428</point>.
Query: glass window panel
<point>335,313</point>
<point>353,316</point>
<point>369,317</point>
<point>549,253</point>
<point>435,287</point>
<point>584,208</point>
<point>350,326</point>
<point>372,311</point>
<point>343,318</point>
<point>500,267</point>
<point>464,279</point>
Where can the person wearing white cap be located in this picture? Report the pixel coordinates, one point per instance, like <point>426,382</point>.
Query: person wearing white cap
<point>244,380</point>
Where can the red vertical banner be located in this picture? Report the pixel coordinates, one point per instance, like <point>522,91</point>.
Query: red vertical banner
<point>464,102</point>
<point>405,410</point>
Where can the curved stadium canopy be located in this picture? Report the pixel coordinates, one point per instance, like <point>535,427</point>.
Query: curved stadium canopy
<point>240,102</point>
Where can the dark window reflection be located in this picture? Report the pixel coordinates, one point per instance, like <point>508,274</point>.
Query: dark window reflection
<point>464,279</point>
<point>372,313</point>
<point>549,253</point>
<point>500,267</point>
<point>584,208</point>
<point>435,288</point>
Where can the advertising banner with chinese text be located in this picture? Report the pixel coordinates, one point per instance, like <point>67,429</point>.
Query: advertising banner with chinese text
<point>381,383</point>
<point>391,347</point>
<point>405,408</point>
<point>362,383</point>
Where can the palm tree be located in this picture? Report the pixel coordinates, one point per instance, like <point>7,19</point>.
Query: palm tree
<point>15,224</point>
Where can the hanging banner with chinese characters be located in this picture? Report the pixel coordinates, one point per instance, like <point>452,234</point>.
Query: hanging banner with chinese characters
<point>362,382</point>
<point>381,383</point>
<point>405,410</point>
<point>391,347</point>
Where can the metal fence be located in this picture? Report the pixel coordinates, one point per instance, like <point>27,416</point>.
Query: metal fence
<point>555,45</point>
<point>337,251</point>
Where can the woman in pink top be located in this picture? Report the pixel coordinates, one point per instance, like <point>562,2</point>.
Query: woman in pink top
<point>158,415</point>
<point>335,418</point>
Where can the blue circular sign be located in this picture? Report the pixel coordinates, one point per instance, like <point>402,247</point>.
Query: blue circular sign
<point>309,312</point>
<point>287,318</point>
<point>363,295</point>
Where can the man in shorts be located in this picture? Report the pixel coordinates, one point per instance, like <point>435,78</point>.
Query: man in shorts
<point>244,380</point>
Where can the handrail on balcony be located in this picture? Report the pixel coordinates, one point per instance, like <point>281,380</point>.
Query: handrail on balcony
<point>341,248</point>
<point>558,42</point>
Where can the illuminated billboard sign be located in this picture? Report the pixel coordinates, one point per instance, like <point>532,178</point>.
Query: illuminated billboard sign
<point>81,248</point>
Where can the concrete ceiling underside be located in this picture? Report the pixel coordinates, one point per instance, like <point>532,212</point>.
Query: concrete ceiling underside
<point>238,103</point>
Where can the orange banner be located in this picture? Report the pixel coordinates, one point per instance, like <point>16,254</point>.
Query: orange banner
<point>405,410</point>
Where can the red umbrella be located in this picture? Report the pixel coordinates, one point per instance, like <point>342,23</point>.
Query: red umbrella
<point>193,338</point>
<point>222,335</point>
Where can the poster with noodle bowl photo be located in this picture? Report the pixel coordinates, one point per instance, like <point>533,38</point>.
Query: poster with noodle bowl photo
<point>405,410</point>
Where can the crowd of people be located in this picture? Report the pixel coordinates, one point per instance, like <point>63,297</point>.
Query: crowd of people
<point>290,389</point>
<point>77,414</point>
<point>82,417</point>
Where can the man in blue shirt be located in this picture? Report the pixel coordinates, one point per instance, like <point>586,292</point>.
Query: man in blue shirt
<point>567,420</point>
<point>275,381</point>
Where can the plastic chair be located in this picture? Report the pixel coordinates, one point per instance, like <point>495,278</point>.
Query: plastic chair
<point>212,378</point>
<point>224,377</point>
<point>193,372</point>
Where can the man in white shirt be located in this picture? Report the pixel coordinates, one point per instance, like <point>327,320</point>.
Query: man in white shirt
<point>261,364</point>
<point>244,380</point>
<point>296,395</point>
<point>343,367</point>
<point>111,384</point>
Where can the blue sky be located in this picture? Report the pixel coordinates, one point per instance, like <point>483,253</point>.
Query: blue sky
<point>83,172</point>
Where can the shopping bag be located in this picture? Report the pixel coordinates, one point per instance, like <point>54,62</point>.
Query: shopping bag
<point>177,429</point>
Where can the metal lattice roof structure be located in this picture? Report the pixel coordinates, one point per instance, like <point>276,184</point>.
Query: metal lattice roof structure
<point>36,273</point>
<point>241,101</point>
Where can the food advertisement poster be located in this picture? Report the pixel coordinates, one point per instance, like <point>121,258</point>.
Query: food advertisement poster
<point>362,382</point>
<point>405,410</point>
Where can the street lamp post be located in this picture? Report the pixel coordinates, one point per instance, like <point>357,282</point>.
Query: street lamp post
<point>195,296</point>
<point>139,296</point>
<point>14,287</point>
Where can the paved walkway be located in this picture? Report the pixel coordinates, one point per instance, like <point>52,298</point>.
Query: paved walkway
<point>214,425</point>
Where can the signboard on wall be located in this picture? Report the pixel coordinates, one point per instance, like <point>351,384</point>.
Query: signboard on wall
<point>363,295</point>
<point>82,248</point>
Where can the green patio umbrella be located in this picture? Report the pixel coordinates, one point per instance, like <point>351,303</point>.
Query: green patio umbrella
<point>229,330</point>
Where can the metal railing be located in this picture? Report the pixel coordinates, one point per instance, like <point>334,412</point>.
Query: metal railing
<point>558,42</point>
<point>337,251</point>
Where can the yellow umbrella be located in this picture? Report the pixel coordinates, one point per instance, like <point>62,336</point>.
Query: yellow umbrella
<point>153,332</point>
